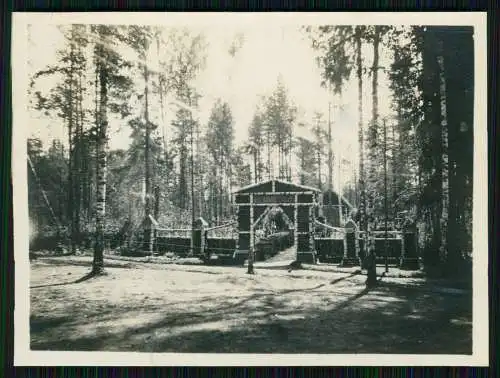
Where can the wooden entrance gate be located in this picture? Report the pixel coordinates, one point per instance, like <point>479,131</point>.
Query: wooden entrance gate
<point>297,201</point>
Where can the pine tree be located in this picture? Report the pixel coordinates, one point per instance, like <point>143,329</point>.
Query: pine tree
<point>278,116</point>
<point>254,147</point>
<point>340,49</point>
<point>219,139</point>
<point>66,100</point>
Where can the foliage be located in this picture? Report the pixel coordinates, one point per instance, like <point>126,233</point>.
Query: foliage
<point>194,169</point>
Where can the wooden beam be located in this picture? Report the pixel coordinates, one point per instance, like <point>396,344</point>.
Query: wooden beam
<point>221,226</point>
<point>296,223</point>
<point>311,204</point>
<point>175,229</point>
<point>311,228</point>
<point>328,238</point>
<point>251,223</point>
<point>153,221</point>
<point>327,226</point>
<point>262,216</point>
<point>276,193</point>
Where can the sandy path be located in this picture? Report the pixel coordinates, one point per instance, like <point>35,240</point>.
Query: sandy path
<point>220,309</point>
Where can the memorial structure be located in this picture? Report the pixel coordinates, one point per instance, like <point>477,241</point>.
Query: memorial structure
<point>298,202</point>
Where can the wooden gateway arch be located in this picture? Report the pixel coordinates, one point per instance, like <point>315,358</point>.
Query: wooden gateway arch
<point>298,203</point>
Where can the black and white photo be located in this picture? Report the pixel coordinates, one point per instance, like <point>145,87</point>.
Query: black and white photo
<point>241,188</point>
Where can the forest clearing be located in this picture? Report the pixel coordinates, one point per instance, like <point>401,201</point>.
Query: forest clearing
<point>179,308</point>
<point>190,190</point>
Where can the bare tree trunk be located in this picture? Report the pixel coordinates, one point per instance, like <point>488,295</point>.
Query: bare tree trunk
<point>255,168</point>
<point>330,152</point>
<point>320,184</point>
<point>101,171</point>
<point>444,154</point>
<point>71,139</point>
<point>394,161</point>
<point>78,162</point>
<point>373,128</point>
<point>147,175</point>
<point>156,211</point>
<point>199,171</point>
<point>221,192</point>
<point>372,171</point>
<point>269,165</point>
<point>259,164</point>
<point>362,188</point>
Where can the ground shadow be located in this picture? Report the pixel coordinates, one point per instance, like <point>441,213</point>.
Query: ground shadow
<point>87,263</point>
<point>84,278</point>
<point>356,273</point>
<point>388,318</point>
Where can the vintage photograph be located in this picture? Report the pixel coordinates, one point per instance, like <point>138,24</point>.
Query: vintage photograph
<point>246,187</point>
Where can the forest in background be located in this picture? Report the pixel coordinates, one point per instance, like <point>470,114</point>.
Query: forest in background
<point>80,187</point>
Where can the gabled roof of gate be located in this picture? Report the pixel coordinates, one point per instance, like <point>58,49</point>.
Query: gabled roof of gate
<point>279,186</point>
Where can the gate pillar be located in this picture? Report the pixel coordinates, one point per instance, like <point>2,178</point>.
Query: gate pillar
<point>409,254</point>
<point>351,247</point>
<point>306,251</point>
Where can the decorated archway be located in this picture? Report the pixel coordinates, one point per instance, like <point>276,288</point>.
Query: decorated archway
<point>297,202</point>
<point>274,219</point>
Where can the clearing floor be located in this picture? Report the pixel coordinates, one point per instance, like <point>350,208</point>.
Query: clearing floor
<point>178,308</point>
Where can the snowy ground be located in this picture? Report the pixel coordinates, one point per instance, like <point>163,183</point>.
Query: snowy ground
<point>149,307</point>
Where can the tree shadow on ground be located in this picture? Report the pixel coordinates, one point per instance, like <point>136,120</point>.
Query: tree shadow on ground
<point>84,278</point>
<point>38,324</point>
<point>388,318</point>
<point>71,262</point>
<point>356,273</point>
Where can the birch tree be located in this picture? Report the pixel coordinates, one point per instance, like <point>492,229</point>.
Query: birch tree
<point>110,81</point>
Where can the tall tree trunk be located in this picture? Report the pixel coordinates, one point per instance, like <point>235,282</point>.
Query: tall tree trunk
<point>147,174</point>
<point>363,216</point>
<point>77,206</point>
<point>330,152</point>
<point>156,210</point>
<point>373,128</point>
<point>320,184</point>
<point>101,170</point>
<point>362,188</point>
<point>394,170</point>
<point>372,171</point>
<point>269,164</point>
<point>259,163</point>
<point>459,105</point>
<point>192,197</point>
<point>291,166</point>
<point>255,168</point>
<point>221,192</point>
<point>71,147</point>
<point>183,189</point>
<point>444,153</point>
<point>279,157</point>
<point>199,172</point>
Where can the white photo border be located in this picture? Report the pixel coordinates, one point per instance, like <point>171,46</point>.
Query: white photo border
<point>23,356</point>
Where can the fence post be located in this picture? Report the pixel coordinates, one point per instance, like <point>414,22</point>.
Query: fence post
<point>409,259</point>
<point>345,246</point>
<point>350,255</point>
<point>251,252</point>
<point>152,239</point>
<point>202,241</point>
<point>295,223</point>
<point>198,235</point>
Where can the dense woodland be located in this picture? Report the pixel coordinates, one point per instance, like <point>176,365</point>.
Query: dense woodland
<point>80,187</point>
